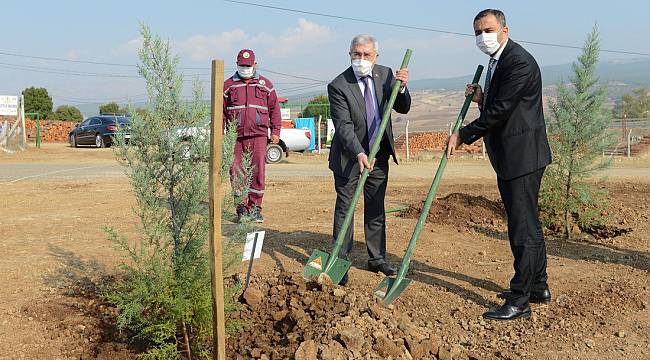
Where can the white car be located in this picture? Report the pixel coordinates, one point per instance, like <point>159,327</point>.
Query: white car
<point>290,140</point>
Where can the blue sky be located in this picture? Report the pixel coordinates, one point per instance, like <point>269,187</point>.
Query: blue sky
<point>300,44</point>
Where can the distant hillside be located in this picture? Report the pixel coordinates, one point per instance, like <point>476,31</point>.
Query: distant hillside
<point>621,75</point>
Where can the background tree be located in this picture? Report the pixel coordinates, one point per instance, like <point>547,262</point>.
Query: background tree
<point>67,113</point>
<point>38,100</point>
<point>636,104</point>
<point>315,107</point>
<point>110,108</point>
<point>578,133</point>
<point>165,295</point>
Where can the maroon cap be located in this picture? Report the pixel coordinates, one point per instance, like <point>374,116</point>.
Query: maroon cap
<point>246,57</point>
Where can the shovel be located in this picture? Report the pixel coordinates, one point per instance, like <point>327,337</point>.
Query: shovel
<point>390,289</point>
<point>328,267</point>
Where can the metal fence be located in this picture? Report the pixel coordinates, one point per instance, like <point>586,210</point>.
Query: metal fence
<point>634,134</point>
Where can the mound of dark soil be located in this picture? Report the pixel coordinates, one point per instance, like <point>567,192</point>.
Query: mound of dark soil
<point>460,210</point>
<point>286,317</point>
<point>481,214</point>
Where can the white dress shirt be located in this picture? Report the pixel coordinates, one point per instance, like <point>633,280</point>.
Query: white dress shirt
<point>498,54</point>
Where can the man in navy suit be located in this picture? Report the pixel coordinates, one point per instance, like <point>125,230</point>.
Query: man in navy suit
<point>511,123</point>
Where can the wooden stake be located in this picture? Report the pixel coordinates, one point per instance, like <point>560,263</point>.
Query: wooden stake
<point>216,263</point>
<point>22,119</point>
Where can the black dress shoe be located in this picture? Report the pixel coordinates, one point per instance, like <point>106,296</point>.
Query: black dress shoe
<point>537,297</point>
<point>508,312</point>
<point>383,268</point>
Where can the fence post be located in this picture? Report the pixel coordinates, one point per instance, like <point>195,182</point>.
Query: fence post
<point>38,130</point>
<point>408,149</point>
<point>320,117</point>
<point>22,119</point>
<point>629,143</point>
<point>483,147</point>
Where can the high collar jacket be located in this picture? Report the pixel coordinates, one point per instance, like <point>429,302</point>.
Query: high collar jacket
<point>253,104</point>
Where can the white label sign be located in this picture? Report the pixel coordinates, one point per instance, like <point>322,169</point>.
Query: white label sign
<point>8,105</point>
<point>248,248</point>
<point>285,114</point>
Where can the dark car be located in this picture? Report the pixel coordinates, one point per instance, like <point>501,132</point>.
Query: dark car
<point>99,130</point>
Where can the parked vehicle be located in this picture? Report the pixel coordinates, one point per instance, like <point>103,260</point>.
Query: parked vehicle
<point>99,130</point>
<point>290,140</point>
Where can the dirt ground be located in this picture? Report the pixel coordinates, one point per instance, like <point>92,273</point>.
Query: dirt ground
<point>55,257</point>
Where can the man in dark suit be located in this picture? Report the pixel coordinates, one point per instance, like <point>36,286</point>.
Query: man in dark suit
<point>512,125</point>
<point>357,99</point>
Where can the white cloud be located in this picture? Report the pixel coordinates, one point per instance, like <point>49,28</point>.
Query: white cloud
<point>307,35</point>
<point>204,47</point>
<point>304,37</point>
<point>73,55</point>
<point>131,47</point>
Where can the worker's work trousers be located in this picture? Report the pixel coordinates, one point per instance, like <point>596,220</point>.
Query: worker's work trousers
<point>256,147</point>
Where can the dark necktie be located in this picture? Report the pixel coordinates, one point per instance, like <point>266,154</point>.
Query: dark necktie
<point>488,79</point>
<point>372,120</point>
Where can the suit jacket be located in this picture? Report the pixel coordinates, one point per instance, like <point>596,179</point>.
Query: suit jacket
<point>512,118</point>
<point>348,111</point>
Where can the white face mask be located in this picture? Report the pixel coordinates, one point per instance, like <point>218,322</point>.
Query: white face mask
<point>245,72</point>
<point>488,43</point>
<point>362,67</point>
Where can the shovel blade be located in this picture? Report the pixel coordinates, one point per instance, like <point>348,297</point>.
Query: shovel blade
<point>390,289</point>
<point>316,266</point>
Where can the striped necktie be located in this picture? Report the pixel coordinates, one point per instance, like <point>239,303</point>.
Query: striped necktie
<point>488,79</point>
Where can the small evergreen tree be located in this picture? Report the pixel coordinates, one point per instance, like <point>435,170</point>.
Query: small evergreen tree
<point>165,295</point>
<point>578,134</point>
<point>38,100</point>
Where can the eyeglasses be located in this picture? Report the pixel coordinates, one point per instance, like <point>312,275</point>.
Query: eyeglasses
<point>363,55</point>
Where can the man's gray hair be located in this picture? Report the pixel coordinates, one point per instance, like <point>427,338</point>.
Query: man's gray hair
<point>501,17</point>
<point>364,39</point>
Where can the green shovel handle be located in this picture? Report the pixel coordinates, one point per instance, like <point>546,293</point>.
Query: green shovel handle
<point>434,186</point>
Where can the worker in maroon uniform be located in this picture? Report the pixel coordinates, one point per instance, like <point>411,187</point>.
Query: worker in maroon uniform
<point>251,101</point>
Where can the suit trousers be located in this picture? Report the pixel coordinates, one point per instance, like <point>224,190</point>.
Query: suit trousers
<point>374,213</point>
<point>519,196</point>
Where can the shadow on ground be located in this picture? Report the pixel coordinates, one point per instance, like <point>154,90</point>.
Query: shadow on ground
<point>297,244</point>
